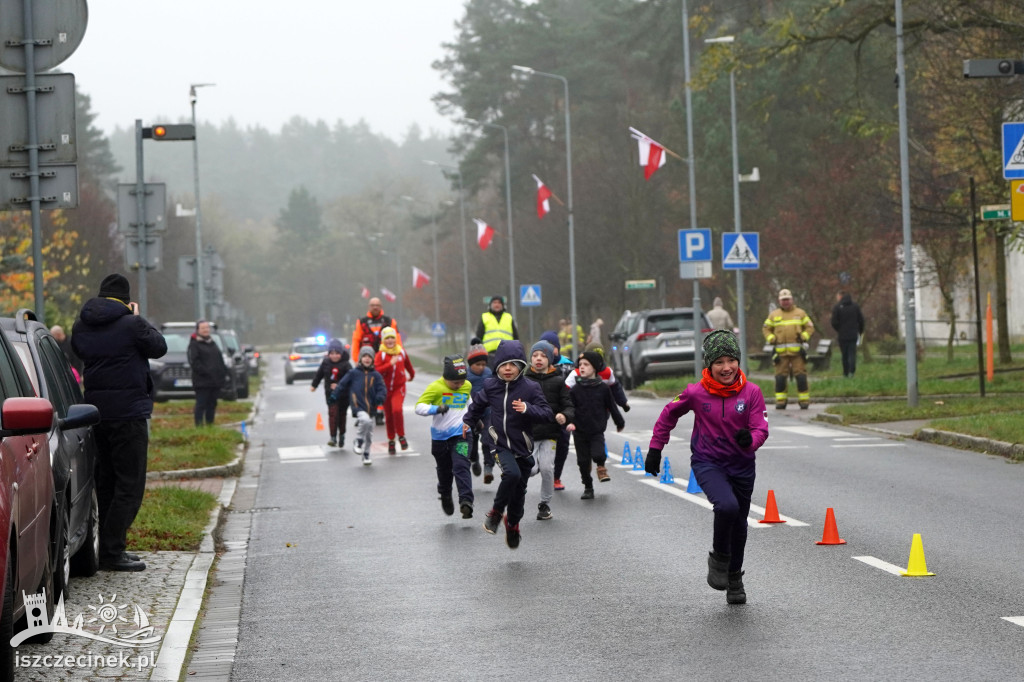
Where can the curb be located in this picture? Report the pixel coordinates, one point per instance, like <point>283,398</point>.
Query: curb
<point>959,440</point>
<point>232,468</point>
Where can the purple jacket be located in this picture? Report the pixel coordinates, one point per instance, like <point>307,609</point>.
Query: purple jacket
<point>716,420</point>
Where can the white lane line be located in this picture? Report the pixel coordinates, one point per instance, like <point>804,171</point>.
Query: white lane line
<point>883,565</point>
<point>301,452</point>
<point>783,447</point>
<point>700,501</point>
<point>813,431</point>
<point>302,461</point>
<point>289,416</point>
<point>871,445</point>
<point>852,438</point>
<point>788,519</point>
<point>1016,620</point>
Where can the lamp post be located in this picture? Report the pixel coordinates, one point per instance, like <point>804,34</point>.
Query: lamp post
<point>436,274</point>
<point>200,285</point>
<point>698,350</point>
<point>909,302</point>
<point>568,179</point>
<point>508,208</point>
<point>465,256</point>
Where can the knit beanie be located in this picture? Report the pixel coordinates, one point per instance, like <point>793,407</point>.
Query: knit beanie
<point>719,343</point>
<point>552,338</point>
<point>388,332</point>
<point>366,350</point>
<point>594,358</point>
<point>476,352</point>
<point>548,349</point>
<point>335,345</point>
<point>594,346</point>
<point>115,286</point>
<point>454,368</point>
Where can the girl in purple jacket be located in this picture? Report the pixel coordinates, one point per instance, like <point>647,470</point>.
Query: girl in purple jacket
<point>730,424</point>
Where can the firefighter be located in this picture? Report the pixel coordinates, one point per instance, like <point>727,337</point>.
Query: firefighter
<point>789,329</point>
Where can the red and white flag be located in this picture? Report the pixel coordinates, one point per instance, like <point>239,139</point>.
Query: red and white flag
<point>365,293</point>
<point>388,294</point>
<point>652,154</point>
<point>543,194</point>
<point>484,234</point>
<point>419,278</point>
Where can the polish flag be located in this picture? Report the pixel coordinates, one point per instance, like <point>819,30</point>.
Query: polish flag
<point>652,156</point>
<point>543,193</point>
<point>365,293</point>
<point>419,278</point>
<point>484,234</point>
<point>388,295</point>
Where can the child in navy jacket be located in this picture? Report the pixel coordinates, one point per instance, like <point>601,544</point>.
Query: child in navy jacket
<point>364,387</point>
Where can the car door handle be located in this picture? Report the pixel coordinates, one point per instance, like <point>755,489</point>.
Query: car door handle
<point>32,450</point>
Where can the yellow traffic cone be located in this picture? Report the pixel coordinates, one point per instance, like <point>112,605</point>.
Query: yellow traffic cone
<point>916,567</point>
<point>319,422</point>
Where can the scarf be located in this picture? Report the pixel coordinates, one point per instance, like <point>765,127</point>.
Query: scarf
<point>391,351</point>
<point>715,387</point>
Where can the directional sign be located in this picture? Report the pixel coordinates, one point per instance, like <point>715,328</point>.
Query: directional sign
<point>438,329</point>
<point>1017,200</point>
<point>694,245</point>
<point>740,251</point>
<point>641,284</point>
<point>1013,151</point>
<point>995,212</point>
<point>529,295</point>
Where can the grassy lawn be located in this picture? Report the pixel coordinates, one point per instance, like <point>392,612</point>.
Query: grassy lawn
<point>171,519</point>
<point>175,443</point>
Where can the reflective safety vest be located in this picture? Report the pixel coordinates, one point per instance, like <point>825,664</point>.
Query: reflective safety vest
<point>495,330</point>
<point>788,330</point>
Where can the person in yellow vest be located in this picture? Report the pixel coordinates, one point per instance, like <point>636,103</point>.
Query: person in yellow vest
<point>789,329</point>
<point>496,325</point>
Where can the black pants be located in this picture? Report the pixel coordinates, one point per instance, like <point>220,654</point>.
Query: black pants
<point>730,494</point>
<point>589,449</point>
<point>515,474</point>
<point>561,453</point>
<point>120,480</point>
<point>206,405</point>
<point>849,351</point>
<point>452,459</point>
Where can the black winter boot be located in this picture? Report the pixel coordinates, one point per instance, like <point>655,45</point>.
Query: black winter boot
<point>718,570</point>
<point>736,594</point>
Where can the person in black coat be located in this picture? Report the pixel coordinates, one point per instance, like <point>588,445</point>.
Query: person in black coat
<point>593,401</point>
<point>547,433</point>
<point>209,373</point>
<point>848,322</point>
<point>116,344</point>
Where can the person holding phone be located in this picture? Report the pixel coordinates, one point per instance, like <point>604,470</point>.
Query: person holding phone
<point>115,344</point>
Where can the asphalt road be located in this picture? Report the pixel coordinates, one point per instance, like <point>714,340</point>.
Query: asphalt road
<point>354,572</point>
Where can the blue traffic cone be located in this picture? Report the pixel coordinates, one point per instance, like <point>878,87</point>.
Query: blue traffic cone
<point>666,473</point>
<point>245,433</point>
<point>626,457</point>
<point>693,487</point>
<point>638,460</point>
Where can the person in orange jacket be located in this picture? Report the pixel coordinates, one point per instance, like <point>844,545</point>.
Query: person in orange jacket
<point>393,363</point>
<point>369,326</point>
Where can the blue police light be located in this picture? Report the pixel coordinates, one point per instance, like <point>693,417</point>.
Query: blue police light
<point>321,338</point>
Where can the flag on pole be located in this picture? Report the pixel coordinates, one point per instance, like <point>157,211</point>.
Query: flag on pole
<point>543,193</point>
<point>365,293</point>
<point>652,154</point>
<point>388,294</point>
<point>419,278</point>
<point>484,234</point>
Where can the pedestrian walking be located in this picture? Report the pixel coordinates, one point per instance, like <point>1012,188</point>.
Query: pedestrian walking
<point>546,434</point>
<point>789,329</point>
<point>394,364</point>
<point>364,387</point>
<point>116,345</point>
<point>477,359</point>
<point>718,316</point>
<point>730,424</point>
<point>330,372</point>
<point>595,333</point>
<point>848,321</point>
<point>515,404</point>
<point>496,325</point>
<point>209,373</point>
<point>593,402</point>
<point>446,400</point>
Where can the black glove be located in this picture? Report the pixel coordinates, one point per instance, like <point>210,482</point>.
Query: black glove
<point>743,438</point>
<point>625,408</point>
<point>653,462</point>
<point>441,409</point>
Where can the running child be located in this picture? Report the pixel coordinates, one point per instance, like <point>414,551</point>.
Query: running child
<point>393,363</point>
<point>446,400</point>
<point>593,401</point>
<point>330,371</point>
<point>477,359</point>
<point>546,434</point>
<point>364,387</point>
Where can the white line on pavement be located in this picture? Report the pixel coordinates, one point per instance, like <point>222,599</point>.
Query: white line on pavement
<point>788,519</point>
<point>1016,620</point>
<point>289,416</point>
<point>783,447</point>
<point>301,452</point>
<point>812,431</point>
<point>883,565</point>
<point>871,445</point>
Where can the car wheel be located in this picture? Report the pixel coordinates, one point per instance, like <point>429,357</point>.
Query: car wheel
<point>87,559</point>
<point>289,380</point>
<point>48,586</point>
<point>638,378</point>
<point>62,554</point>
<point>7,626</point>
<point>243,392</point>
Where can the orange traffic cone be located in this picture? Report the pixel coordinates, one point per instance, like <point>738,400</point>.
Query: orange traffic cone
<point>831,534</point>
<point>771,512</point>
<point>319,422</point>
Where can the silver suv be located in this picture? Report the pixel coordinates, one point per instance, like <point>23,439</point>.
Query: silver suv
<point>659,343</point>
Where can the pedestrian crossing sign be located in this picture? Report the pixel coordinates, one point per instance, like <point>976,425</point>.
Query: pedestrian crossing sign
<point>529,295</point>
<point>1013,151</point>
<point>438,329</point>
<point>740,251</point>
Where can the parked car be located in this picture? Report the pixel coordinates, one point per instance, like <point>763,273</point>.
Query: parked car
<point>74,536</point>
<point>616,340</point>
<point>26,500</point>
<point>238,366</point>
<point>252,358</point>
<point>660,344</point>
<point>172,376</point>
<point>304,358</point>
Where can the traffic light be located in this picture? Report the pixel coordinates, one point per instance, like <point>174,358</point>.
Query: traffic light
<point>170,131</point>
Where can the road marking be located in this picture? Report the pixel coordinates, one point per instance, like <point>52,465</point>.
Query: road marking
<point>872,445</point>
<point>788,519</point>
<point>699,501</point>
<point>303,452</point>
<point>883,565</point>
<point>851,438</point>
<point>1016,620</point>
<point>783,447</point>
<point>289,416</point>
<point>812,431</point>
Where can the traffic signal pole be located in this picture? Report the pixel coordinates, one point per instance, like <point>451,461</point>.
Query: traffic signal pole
<point>140,211</point>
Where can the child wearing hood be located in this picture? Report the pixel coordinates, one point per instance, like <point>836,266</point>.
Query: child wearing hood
<point>393,363</point>
<point>729,424</point>
<point>477,359</point>
<point>515,404</point>
<point>364,387</point>
<point>331,370</point>
<point>593,401</point>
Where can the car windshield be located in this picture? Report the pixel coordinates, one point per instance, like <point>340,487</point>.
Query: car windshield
<point>676,322</point>
<point>309,348</point>
<point>178,342</point>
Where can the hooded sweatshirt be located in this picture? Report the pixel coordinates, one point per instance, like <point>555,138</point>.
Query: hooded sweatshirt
<point>364,387</point>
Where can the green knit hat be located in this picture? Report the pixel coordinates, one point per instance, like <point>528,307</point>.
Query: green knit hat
<point>719,343</point>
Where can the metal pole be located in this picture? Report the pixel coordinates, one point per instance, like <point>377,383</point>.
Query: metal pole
<point>33,158</point>
<point>511,245</point>
<point>140,211</point>
<point>437,282</point>
<point>698,360</point>
<point>465,255</point>
<point>977,291</point>
<point>741,317</point>
<point>909,302</point>
<point>200,284</point>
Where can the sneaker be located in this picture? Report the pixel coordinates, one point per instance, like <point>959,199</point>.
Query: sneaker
<point>467,510</point>
<point>331,444</point>
<point>735,594</point>
<point>512,536</point>
<point>403,442</point>
<point>558,484</point>
<point>391,447</point>
<point>491,521</point>
<point>588,494</point>
<point>341,441</point>
<point>476,468</point>
<point>602,475</point>
<point>488,477</point>
<point>543,512</point>
<point>358,447</point>
<point>446,504</point>
<point>366,459</point>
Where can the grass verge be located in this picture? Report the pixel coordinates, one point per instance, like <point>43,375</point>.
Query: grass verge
<point>173,446</point>
<point>171,519</point>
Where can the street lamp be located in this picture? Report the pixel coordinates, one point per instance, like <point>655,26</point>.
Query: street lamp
<point>462,222</point>
<point>568,178</point>
<point>508,207</point>
<point>200,285</point>
<point>698,350</point>
<point>436,274</point>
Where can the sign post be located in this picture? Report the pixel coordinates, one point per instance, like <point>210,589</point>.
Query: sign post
<point>695,263</point>
<point>529,297</point>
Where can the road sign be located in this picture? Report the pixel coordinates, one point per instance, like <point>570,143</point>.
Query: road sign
<point>55,119</point>
<point>154,253</point>
<point>694,245</point>
<point>128,210</point>
<point>438,329</point>
<point>529,295</point>
<point>1017,200</point>
<point>641,284</point>
<point>701,270</point>
<point>741,251</point>
<point>996,212</point>
<point>1013,151</point>
<point>58,28</point>
<point>58,187</point>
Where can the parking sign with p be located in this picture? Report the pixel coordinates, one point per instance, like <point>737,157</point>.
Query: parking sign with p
<point>694,245</point>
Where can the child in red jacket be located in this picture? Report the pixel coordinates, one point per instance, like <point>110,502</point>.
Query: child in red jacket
<point>393,363</point>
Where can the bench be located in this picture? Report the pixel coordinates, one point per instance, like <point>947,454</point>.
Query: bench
<point>821,359</point>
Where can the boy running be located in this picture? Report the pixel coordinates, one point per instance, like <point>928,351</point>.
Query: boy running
<point>593,401</point>
<point>546,434</point>
<point>446,400</point>
<point>364,387</point>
